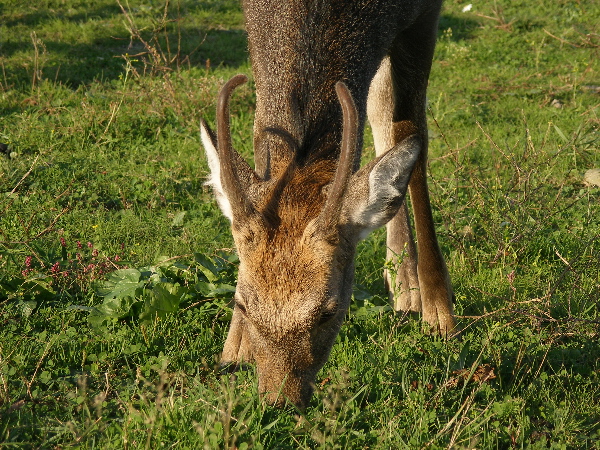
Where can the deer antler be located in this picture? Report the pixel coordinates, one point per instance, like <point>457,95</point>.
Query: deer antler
<point>240,204</point>
<point>331,212</point>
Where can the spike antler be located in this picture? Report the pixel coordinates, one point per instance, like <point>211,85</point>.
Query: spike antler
<point>330,215</point>
<point>240,204</point>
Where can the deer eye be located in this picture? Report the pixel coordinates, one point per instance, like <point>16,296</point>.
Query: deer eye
<point>238,304</point>
<point>328,314</point>
<point>241,307</point>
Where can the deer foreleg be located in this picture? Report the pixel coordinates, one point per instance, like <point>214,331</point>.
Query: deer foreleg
<point>410,59</point>
<point>237,348</point>
<point>401,274</point>
<point>434,281</point>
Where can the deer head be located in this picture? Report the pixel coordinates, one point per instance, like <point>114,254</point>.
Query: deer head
<point>296,233</point>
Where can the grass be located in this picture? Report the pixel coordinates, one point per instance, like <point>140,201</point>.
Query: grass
<point>99,117</point>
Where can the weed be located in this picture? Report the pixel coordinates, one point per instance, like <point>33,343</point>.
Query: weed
<point>149,293</point>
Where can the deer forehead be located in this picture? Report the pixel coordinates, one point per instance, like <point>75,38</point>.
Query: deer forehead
<point>282,240</point>
<point>292,281</point>
<point>289,268</point>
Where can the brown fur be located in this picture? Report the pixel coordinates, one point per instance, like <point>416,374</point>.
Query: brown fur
<point>297,218</point>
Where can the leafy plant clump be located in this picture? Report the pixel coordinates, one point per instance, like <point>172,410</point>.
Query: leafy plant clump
<point>140,294</point>
<point>155,291</point>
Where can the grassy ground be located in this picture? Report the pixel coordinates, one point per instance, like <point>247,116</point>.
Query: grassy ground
<point>116,266</point>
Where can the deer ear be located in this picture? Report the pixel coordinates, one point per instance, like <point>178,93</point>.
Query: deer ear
<point>209,141</point>
<point>378,189</point>
<point>245,174</point>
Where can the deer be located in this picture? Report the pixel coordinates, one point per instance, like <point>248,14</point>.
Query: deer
<point>321,69</point>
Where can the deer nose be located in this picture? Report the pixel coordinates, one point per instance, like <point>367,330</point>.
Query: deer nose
<point>292,391</point>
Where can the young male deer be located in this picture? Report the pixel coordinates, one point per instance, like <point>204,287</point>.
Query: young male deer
<point>297,217</point>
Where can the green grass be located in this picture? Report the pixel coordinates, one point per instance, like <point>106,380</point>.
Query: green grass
<point>103,147</point>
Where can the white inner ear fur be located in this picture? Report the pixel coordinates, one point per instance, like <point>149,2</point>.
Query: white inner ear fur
<point>388,181</point>
<point>214,180</point>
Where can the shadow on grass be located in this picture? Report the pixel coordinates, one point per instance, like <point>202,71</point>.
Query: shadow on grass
<point>101,42</point>
<point>462,27</point>
<point>80,64</point>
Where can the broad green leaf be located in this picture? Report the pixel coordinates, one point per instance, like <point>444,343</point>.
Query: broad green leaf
<point>361,293</point>
<point>121,283</point>
<point>27,307</point>
<point>223,289</point>
<point>163,298</point>
<point>42,282</point>
<point>211,290</point>
<point>207,267</point>
<point>117,307</point>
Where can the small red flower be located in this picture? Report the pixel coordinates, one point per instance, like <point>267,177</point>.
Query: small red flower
<point>28,261</point>
<point>63,242</point>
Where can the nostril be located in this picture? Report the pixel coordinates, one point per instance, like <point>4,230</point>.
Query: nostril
<point>287,397</point>
<point>275,399</point>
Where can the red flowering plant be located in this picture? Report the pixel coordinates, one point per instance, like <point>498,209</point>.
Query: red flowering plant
<point>69,271</point>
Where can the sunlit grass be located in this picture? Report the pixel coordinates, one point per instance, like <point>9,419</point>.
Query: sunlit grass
<point>102,146</point>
